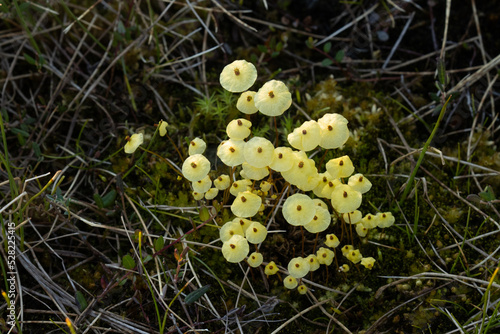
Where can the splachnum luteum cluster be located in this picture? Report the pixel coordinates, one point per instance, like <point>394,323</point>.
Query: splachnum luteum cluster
<point>259,163</point>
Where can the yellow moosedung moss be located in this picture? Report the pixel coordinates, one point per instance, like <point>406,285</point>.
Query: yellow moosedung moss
<point>238,76</point>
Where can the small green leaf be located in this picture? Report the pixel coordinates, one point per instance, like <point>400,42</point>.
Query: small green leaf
<point>128,262</point>
<point>204,214</point>
<point>109,199</point>
<point>310,42</point>
<point>275,54</point>
<point>326,62</point>
<point>279,46</point>
<point>196,294</point>
<point>441,69</point>
<point>262,48</point>
<point>20,132</point>
<point>487,195</point>
<point>80,301</point>
<point>327,47</point>
<point>339,56</point>
<point>98,200</point>
<point>36,149</point>
<point>29,59</point>
<point>159,243</point>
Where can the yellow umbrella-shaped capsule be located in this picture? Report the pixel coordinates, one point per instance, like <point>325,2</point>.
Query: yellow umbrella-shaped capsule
<point>368,262</point>
<point>290,282</point>
<point>211,193</point>
<point>370,221</point>
<point>320,221</point>
<point>195,167</point>
<point>202,186</point>
<point>265,186</point>
<point>256,233</point>
<point>313,262</point>
<point>283,159</point>
<point>359,183</point>
<point>345,199</point>
<point>325,256</point>
<point>332,241</point>
<point>385,219</point>
<point>340,167</point>
<point>306,137</point>
<point>346,249</point>
<point>246,103</point>
<point>239,186</point>
<point>253,173</point>
<point>354,256</point>
<point>231,152</point>
<point>329,187</point>
<point>334,132</point>
<point>133,143</point>
<point>235,249</point>
<point>273,98</point>
<point>255,259</point>
<point>361,230</point>
<point>302,289</point>
<point>318,202</point>
<point>298,209</point>
<point>246,204</point>
<point>238,76</point>
<point>229,229</point>
<point>259,152</point>
<point>162,128</point>
<point>238,129</point>
<point>298,267</point>
<point>197,146</point>
<point>353,217</point>
<point>198,196</point>
<point>244,223</point>
<point>271,268</point>
<point>222,182</point>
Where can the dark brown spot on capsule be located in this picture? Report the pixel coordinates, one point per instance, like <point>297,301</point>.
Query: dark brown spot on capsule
<point>301,164</point>
<point>259,150</point>
<point>255,230</point>
<point>297,266</point>
<point>369,217</point>
<point>330,128</point>
<point>243,199</point>
<point>271,94</point>
<point>193,143</point>
<point>384,215</point>
<point>331,237</point>
<point>193,165</point>
<point>232,149</point>
<point>236,71</point>
<point>304,132</point>
<point>232,246</point>
<point>242,222</point>
<point>324,255</point>
<point>280,155</point>
<point>330,184</point>
<point>299,208</point>
<point>231,233</point>
<point>345,194</point>
<point>325,179</point>
<point>341,163</point>
<point>315,218</point>
<point>249,98</point>
<point>240,122</point>
<point>360,179</point>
